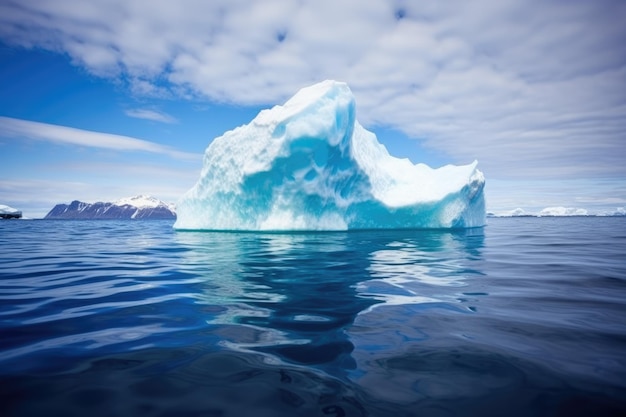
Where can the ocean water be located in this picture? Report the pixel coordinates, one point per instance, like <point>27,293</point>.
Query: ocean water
<point>524,317</point>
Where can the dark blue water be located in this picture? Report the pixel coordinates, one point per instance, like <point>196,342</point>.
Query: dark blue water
<point>525,317</point>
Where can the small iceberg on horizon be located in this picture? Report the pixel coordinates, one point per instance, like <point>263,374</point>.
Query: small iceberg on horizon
<point>8,212</point>
<point>310,165</point>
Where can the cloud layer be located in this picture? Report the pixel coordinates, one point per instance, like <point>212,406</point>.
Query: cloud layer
<point>148,114</point>
<point>26,129</point>
<point>533,89</point>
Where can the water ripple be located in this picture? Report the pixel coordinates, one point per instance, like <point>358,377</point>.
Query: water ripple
<point>421,320</point>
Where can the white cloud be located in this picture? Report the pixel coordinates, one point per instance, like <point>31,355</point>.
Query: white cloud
<point>532,89</point>
<point>153,115</point>
<point>18,128</point>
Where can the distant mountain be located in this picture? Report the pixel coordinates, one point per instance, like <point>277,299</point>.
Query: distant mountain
<point>138,207</point>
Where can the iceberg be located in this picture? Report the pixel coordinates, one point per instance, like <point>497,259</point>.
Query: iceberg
<point>310,165</point>
<point>563,211</point>
<point>8,212</point>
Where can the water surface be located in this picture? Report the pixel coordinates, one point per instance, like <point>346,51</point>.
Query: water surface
<point>524,317</point>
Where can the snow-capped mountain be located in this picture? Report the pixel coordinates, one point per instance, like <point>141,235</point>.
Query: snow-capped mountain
<point>143,202</point>
<point>137,207</point>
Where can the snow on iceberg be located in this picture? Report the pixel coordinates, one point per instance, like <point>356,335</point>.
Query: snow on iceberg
<point>8,210</point>
<point>310,165</point>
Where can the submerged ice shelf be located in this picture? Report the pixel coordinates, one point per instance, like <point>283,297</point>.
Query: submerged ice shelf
<point>310,165</point>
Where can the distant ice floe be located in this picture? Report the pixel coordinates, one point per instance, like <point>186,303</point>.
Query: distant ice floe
<point>559,211</point>
<point>7,212</point>
<point>563,211</point>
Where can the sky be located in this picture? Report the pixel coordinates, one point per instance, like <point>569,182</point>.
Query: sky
<point>107,99</point>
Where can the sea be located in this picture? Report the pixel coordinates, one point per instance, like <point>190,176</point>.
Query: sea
<point>522,317</point>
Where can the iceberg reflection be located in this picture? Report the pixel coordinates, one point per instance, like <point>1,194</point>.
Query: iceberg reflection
<point>410,270</point>
<point>302,297</point>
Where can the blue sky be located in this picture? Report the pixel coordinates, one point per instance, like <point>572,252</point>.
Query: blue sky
<point>106,99</point>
